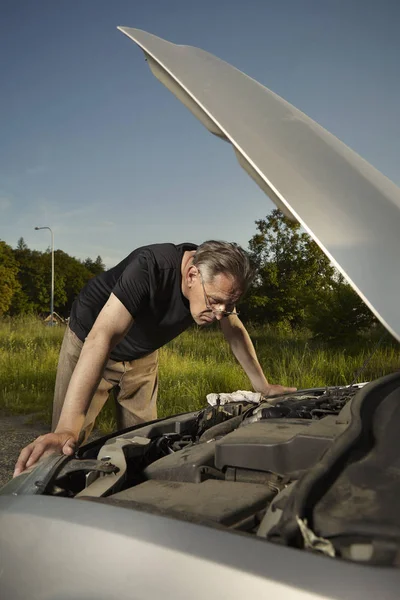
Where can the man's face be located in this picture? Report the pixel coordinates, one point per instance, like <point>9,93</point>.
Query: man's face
<point>214,299</point>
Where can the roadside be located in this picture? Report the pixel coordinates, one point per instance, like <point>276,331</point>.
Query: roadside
<point>16,431</point>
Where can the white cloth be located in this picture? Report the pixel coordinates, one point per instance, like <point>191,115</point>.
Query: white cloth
<point>238,396</point>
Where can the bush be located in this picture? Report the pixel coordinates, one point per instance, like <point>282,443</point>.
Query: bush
<point>341,316</point>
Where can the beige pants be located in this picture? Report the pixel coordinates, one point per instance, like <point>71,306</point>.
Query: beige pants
<point>135,384</point>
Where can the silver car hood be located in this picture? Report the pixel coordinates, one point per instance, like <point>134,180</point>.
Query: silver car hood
<point>348,207</point>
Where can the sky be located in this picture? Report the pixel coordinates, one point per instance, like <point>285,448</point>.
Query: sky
<point>93,146</point>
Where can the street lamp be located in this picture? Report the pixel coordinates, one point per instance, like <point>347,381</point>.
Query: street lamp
<point>52,274</point>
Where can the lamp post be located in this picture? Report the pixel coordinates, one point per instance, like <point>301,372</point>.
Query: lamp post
<point>52,274</point>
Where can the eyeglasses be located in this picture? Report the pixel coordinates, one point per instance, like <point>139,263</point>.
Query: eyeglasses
<point>211,303</point>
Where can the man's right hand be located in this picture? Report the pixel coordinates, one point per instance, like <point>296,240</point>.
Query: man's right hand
<point>63,442</point>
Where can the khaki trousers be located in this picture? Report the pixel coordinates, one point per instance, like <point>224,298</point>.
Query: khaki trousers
<point>134,382</point>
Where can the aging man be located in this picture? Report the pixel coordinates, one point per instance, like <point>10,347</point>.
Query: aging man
<point>123,316</point>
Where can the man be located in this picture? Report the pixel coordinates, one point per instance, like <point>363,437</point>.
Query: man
<point>121,318</point>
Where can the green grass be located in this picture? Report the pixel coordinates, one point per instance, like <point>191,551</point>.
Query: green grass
<point>193,365</point>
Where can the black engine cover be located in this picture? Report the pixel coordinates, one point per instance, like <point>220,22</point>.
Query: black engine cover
<point>281,446</point>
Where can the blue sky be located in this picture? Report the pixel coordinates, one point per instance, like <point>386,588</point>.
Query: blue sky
<point>92,145</point>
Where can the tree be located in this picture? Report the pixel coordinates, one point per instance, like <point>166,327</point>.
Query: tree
<point>34,278</point>
<point>9,284</point>
<point>297,285</point>
<point>73,275</point>
<point>21,245</point>
<point>70,275</point>
<point>293,273</point>
<point>342,316</point>
<point>95,267</point>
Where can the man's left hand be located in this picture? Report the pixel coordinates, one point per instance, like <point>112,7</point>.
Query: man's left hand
<point>277,390</point>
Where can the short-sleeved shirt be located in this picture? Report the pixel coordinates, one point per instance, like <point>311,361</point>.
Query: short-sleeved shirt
<point>148,282</point>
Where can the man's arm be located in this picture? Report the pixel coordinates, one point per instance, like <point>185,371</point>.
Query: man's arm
<point>242,347</point>
<point>111,325</point>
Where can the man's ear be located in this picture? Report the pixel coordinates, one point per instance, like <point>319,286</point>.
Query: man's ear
<point>191,275</point>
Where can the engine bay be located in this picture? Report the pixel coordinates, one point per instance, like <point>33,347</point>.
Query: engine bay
<point>316,469</point>
<point>222,466</point>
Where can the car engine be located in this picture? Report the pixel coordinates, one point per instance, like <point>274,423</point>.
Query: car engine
<point>222,466</point>
<point>317,469</point>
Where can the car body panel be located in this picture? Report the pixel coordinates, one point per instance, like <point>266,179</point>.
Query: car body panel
<point>350,209</point>
<point>94,551</point>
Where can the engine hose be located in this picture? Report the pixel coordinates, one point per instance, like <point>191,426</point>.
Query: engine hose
<point>221,429</point>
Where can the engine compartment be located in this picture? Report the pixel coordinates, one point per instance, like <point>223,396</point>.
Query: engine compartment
<point>221,466</point>
<point>316,469</point>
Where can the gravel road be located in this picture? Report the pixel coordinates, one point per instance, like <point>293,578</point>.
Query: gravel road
<point>15,433</point>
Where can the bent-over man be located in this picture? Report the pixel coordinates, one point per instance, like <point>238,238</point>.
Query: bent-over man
<point>123,316</point>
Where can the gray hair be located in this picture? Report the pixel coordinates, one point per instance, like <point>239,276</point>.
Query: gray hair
<point>214,257</point>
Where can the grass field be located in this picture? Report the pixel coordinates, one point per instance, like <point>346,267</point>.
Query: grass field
<point>193,365</point>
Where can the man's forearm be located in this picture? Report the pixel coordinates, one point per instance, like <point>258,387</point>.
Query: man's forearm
<point>243,349</point>
<point>253,370</point>
<point>83,384</point>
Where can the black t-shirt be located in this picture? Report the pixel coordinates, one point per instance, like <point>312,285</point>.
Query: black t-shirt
<point>148,283</point>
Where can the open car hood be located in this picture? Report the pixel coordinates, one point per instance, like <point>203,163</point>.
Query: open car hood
<point>349,208</point>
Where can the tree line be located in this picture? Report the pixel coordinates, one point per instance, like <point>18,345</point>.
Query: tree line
<point>25,279</point>
<point>295,286</point>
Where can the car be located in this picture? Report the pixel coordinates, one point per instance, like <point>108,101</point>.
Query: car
<point>291,498</point>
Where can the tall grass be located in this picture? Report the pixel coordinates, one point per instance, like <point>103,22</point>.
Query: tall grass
<point>195,364</point>
<point>28,362</point>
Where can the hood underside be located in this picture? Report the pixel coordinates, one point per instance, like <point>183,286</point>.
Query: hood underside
<point>348,207</point>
